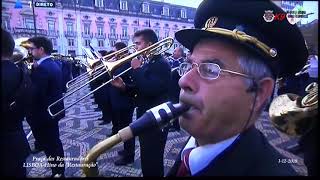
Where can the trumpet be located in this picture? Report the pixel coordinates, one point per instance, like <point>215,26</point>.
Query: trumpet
<point>156,117</point>
<point>110,67</point>
<point>96,66</point>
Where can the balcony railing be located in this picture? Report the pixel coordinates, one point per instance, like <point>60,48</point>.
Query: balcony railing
<point>70,33</point>
<point>27,31</point>
<point>53,33</point>
<point>100,36</point>
<point>113,36</point>
<point>87,35</point>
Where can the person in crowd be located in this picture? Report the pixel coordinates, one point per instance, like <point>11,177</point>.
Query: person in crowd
<point>151,80</point>
<point>122,108</point>
<point>47,87</point>
<point>102,96</point>
<point>15,99</point>
<point>177,57</point>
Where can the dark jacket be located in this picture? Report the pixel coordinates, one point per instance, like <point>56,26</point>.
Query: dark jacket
<point>174,90</point>
<point>66,67</point>
<point>47,87</point>
<point>250,155</point>
<point>151,83</point>
<point>15,85</point>
<point>14,145</point>
<point>120,99</point>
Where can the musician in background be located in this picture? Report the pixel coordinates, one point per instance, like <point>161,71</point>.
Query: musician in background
<point>122,108</point>
<point>14,102</point>
<point>46,88</point>
<point>66,67</point>
<point>102,96</point>
<point>177,57</point>
<point>151,84</point>
<point>28,66</point>
<point>166,55</point>
<point>25,63</point>
<point>76,68</point>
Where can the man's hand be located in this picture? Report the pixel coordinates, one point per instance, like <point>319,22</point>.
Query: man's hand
<point>135,63</point>
<point>118,83</point>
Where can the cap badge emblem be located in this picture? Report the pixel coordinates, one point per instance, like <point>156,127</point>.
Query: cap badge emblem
<point>211,22</point>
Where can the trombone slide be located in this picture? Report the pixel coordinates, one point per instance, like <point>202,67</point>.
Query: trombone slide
<point>110,67</point>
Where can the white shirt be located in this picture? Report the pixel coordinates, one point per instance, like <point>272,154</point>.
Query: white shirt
<point>201,156</point>
<point>42,59</point>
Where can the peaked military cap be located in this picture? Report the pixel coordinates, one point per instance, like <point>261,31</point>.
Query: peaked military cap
<point>280,43</point>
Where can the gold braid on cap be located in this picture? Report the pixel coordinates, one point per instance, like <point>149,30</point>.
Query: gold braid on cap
<point>238,35</point>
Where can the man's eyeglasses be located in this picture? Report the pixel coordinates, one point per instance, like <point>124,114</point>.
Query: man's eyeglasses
<point>208,71</point>
<point>32,48</point>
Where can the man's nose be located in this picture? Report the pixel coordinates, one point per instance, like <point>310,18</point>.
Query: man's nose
<point>188,82</point>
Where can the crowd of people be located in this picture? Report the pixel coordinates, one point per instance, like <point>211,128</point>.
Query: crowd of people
<point>227,78</point>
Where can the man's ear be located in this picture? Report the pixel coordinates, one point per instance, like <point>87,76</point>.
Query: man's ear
<point>264,90</point>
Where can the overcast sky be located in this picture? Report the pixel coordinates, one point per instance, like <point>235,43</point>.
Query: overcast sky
<point>309,6</point>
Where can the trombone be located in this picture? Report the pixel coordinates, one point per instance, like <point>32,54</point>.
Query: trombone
<point>97,65</point>
<point>148,52</point>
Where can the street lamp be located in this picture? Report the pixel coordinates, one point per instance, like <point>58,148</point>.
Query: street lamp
<point>34,19</point>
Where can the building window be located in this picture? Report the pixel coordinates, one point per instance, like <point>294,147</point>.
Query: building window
<point>100,30</point>
<point>165,11</point>
<point>69,27</point>
<point>112,30</point>
<point>99,3</point>
<point>86,28</point>
<point>54,41</point>
<point>5,24</point>
<point>87,42</point>
<point>123,5</point>
<point>147,23</point>
<point>145,8</point>
<point>183,13</point>
<point>157,32</point>
<point>166,33</point>
<point>71,42</point>
<point>72,52</point>
<point>112,42</point>
<point>29,23</point>
<point>100,43</point>
<point>51,26</point>
<point>124,31</point>
<point>135,29</point>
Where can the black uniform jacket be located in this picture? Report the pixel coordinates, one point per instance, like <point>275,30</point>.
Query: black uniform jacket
<point>250,155</point>
<point>47,87</point>
<point>151,83</point>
